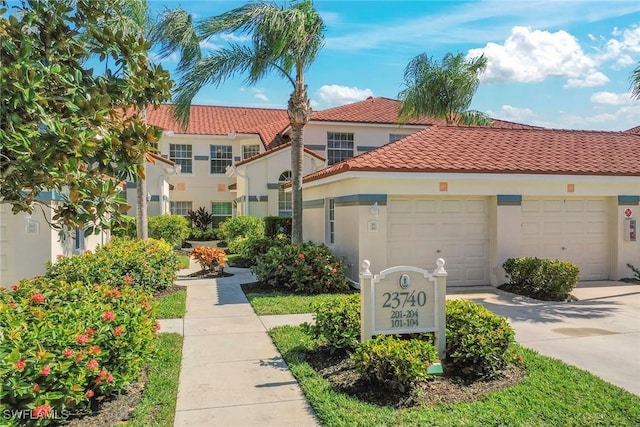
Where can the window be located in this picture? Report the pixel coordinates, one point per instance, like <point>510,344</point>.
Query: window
<point>339,147</point>
<point>182,154</point>
<point>250,151</point>
<point>181,208</point>
<point>220,212</point>
<point>78,241</point>
<point>396,136</point>
<point>221,157</point>
<point>285,204</point>
<point>331,221</point>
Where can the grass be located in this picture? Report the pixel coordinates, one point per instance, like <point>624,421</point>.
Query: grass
<point>158,404</point>
<point>552,394</point>
<point>266,303</point>
<point>172,305</point>
<point>183,261</point>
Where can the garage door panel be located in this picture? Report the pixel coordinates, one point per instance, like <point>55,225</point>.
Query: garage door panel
<point>575,227</point>
<point>399,206</point>
<point>426,206</point>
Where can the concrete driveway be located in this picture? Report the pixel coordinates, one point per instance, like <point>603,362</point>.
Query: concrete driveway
<point>599,333</point>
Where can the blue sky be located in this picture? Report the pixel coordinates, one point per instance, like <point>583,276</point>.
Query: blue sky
<point>562,64</point>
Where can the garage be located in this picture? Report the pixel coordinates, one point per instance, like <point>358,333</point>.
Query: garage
<point>572,229</point>
<point>422,229</point>
<point>5,211</point>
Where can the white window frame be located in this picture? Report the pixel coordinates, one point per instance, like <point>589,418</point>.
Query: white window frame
<point>180,207</point>
<point>331,222</point>
<point>182,154</point>
<point>250,151</point>
<point>339,147</point>
<point>219,218</point>
<point>223,158</point>
<point>285,198</point>
<point>79,241</point>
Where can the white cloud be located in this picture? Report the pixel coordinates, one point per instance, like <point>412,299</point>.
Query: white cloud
<point>595,78</point>
<point>208,44</point>
<point>230,37</point>
<point>511,113</point>
<point>262,97</point>
<point>610,98</point>
<point>534,55</point>
<point>333,95</point>
<point>623,47</point>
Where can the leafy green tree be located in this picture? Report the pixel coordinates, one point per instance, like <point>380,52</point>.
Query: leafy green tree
<point>442,90</point>
<point>635,83</point>
<point>284,40</point>
<point>64,127</point>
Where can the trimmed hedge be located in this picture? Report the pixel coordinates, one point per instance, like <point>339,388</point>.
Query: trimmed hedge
<point>238,229</point>
<point>337,324</point>
<point>173,229</point>
<point>544,279</point>
<point>274,225</point>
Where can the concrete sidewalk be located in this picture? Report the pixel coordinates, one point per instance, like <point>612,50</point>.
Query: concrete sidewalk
<point>231,373</point>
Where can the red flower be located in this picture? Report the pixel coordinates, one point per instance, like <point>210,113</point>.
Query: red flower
<point>94,349</point>
<point>146,305</point>
<point>156,327</point>
<point>98,381</point>
<point>115,293</point>
<point>67,352</point>
<point>90,332</point>
<point>119,330</point>
<point>109,378</point>
<point>42,411</point>
<point>89,394</point>
<point>36,387</point>
<point>15,287</point>
<point>108,316</point>
<point>45,371</point>
<point>93,364</point>
<point>20,365</point>
<point>13,305</point>
<point>301,255</point>
<point>334,270</point>
<point>82,338</point>
<point>128,279</point>
<point>103,373</point>
<point>38,298</point>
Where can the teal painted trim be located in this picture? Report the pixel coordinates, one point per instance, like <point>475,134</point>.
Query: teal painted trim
<point>311,204</point>
<point>201,157</point>
<point>132,185</point>
<point>165,198</point>
<point>366,147</point>
<point>255,199</point>
<point>628,200</point>
<point>50,195</point>
<point>509,200</point>
<point>239,199</point>
<point>155,198</point>
<point>273,186</point>
<point>316,147</point>
<point>166,156</point>
<point>361,200</point>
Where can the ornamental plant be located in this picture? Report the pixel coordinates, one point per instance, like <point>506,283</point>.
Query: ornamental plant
<point>394,363</point>
<point>236,230</point>
<point>305,268</point>
<point>63,344</point>
<point>544,279</point>
<point>150,264</point>
<point>256,246</point>
<point>337,324</point>
<point>173,229</point>
<point>210,259</point>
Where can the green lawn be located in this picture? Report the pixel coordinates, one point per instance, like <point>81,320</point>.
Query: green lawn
<point>158,404</point>
<point>172,305</point>
<point>552,394</point>
<point>266,303</point>
<point>184,261</point>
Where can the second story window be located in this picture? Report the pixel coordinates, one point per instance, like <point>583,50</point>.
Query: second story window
<point>339,147</point>
<point>182,154</point>
<point>181,208</point>
<point>250,151</point>
<point>221,157</point>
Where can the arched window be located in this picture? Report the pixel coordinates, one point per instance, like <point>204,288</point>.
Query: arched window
<point>285,205</point>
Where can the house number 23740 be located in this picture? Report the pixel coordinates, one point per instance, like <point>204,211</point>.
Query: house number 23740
<point>395,300</point>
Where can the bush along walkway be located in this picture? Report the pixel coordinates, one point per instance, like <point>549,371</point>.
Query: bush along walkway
<point>231,373</point>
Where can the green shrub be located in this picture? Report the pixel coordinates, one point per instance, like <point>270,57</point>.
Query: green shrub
<point>173,229</point>
<point>304,268</point>
<point>125,228</point>
<point>237,229</point>
<point>635,270</point>
<point>62,344</point>
<point>394,363</point>
<point>255,247</point>
<point>275,225</point>
<point>337,324</point>
<point>541,278</point>
<point>200,235</point>
<point>478,341</point>
<point>151,265</point>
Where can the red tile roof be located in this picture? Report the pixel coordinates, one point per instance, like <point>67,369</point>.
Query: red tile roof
<point>458,149</point>
<point>217,120</point>
<point>279,147</point>
<point>635,130</point>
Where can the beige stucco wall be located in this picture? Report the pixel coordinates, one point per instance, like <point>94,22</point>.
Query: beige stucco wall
<point>357,243</point>
<point>158,175</point>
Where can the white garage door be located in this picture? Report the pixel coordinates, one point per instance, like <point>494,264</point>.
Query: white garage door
<point>575,230</point>
<point>5,211</point>
<point>424,229</point>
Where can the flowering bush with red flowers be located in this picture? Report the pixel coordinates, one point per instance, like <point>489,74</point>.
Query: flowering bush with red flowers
<point>150,264</point>
<point>304,268</point>
<point>209,258</point>
<point>62,344</point>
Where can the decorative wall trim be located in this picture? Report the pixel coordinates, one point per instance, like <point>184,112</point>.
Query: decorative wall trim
<point>201,157</point>
<point>316,147</point>
<point>255,199</point>
<point>132,184</point>
<point>361,200</point>
<point>273,186</point>
<point>509,200</point>
<point>311,204</point>
<point>155,198</point>
<point>628,200</point>
<point>366,147</point>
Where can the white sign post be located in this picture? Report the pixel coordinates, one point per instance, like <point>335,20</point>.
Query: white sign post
<point>404,300</point>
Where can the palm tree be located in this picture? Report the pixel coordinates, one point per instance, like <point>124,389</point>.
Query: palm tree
<point>442,90</point>
<point>635,83</point>
<point>284,40</point>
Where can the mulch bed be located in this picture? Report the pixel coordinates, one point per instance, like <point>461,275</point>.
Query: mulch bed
<point>204,274</point>
<point>340,372</point>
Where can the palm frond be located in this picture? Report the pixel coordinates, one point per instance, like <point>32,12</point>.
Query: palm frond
<point>635,83</point>
<point>175,33</point>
